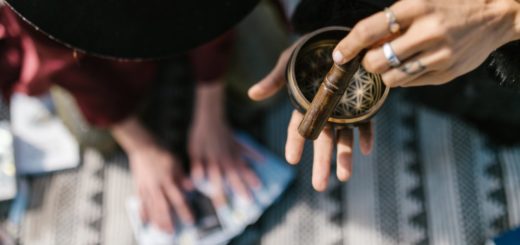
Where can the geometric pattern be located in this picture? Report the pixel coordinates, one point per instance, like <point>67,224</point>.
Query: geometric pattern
<point>362,93</point>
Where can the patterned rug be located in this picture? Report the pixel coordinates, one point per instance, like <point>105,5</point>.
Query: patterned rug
<point>430,180</point>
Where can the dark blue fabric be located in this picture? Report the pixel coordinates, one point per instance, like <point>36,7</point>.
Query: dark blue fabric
<point>509,238</point>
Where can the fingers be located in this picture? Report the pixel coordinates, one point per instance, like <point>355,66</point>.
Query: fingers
<point>413,42</point>
<point>159,210</point>
<point>431,78</point>
<point>145,217</point>
<point>344,154</point>
<point>187,184</point>
<point>179,204</point>
<point>295,142</point>
<point>406,73</point>
<point>373,29</point>
<point>246,172</point>
<point>249,152</point>
<point>249,176</point>
<point>323,149</point>
<point>217,191</point>
<point>366,138</point>
<point>235,181</point>
<point>274,80</point>
<point>197,169</point>
<point>410,71</point>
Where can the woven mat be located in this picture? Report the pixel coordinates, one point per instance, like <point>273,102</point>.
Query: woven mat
<point>430,180</point>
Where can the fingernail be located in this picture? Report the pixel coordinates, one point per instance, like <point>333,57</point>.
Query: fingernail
<point>290,157</point>
<point>253,87</point>
<point>341,175</point>
<point>250,90</point>
<point>337,56</point>
<point>320,186</point>
<point>388,81</point>
<point>253,91</point>
<point>346,176</point>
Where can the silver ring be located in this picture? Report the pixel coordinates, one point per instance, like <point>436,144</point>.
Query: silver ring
<point>393,25</point>
<point>413,67</point>
<point>390,55</point>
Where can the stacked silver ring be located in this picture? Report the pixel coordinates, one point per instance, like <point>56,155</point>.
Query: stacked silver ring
<point>394,28</point>
<point>390,55</point>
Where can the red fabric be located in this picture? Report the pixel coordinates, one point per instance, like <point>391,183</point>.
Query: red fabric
<point>106,91</point>
<point>210,61</point>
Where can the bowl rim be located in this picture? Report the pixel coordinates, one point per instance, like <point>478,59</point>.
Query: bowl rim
<point>300,98</point>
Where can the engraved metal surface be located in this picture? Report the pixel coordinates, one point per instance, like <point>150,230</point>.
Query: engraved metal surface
<point>308,66</point>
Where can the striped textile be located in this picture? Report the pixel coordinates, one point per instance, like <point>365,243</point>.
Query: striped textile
<point>430,180</point>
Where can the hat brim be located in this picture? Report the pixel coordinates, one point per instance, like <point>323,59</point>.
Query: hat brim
<point>132,29</point>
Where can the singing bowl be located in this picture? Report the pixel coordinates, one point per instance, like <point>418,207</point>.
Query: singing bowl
<point>310,62</point>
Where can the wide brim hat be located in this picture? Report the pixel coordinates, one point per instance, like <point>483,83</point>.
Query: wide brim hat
<point>132,29</point>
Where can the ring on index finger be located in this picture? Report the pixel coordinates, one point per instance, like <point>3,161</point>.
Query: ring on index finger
<point>393,25</point>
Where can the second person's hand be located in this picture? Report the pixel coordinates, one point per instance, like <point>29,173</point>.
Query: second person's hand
<point>329,137</point>
<point>214,152</point>
<point>158,176</point>
<point>431,42</point>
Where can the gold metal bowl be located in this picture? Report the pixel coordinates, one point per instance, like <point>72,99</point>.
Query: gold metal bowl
<point>310,62</point>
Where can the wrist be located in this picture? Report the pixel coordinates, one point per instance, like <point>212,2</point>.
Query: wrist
<point>209,102</point>
<point>517,20</point>
<point>132,136</point>
<point>514,10</point>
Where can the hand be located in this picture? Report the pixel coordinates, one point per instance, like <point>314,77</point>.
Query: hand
<point>161,185</point>
<point>441,39</point>
<point>158,175</point>
<point>324,145</point>
<point>213,150</point>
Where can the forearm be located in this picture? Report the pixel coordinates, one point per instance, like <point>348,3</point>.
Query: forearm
<point>131,135</point>
<point>209,102</point>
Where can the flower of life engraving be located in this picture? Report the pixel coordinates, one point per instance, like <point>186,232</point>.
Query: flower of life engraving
<point>361,95</point>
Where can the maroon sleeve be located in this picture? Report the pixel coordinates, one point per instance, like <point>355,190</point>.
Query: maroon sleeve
<point>210,61</point>
<point>108,91</point>
<point>11,53</point>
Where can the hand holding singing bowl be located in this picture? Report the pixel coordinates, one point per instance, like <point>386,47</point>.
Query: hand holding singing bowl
<point>411,43</point>
<point>304,66</point>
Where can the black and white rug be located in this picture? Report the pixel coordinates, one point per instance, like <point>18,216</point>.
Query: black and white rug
<point>430,180</point>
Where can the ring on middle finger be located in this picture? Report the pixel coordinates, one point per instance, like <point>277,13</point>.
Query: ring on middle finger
<point>390,55</point>
<point>413,67</point>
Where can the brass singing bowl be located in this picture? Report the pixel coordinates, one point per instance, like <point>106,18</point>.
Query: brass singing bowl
<point>310,62</point>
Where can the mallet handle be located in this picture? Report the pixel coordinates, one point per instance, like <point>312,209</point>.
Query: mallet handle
<point>327,98</point>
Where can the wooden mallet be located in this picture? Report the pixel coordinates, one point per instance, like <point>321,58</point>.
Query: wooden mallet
<point>327,98</point>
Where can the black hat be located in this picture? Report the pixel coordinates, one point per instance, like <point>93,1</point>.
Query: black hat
<point>132,29</point>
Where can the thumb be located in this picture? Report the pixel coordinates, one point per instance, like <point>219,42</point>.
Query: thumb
<point>268,86</point>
